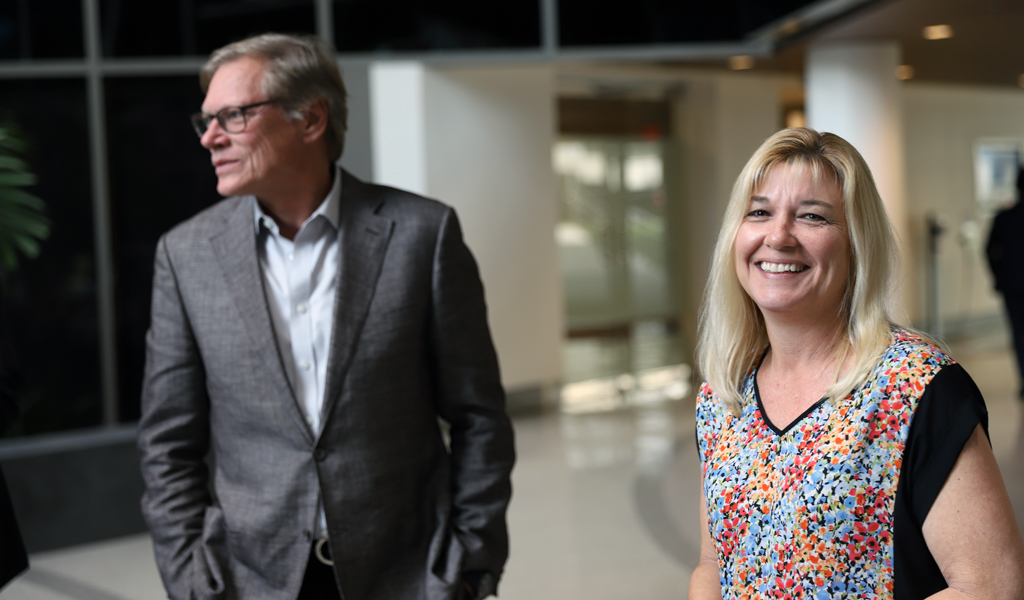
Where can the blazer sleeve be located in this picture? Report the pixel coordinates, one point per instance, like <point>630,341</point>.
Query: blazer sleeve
<point>471,399</point>
<point>173,442</point>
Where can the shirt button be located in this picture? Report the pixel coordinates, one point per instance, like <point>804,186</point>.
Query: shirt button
<point>267,222</point>
<point>291,257</point>
<point>301,308</point>
<point>307,534</point>
<point>319,454</point>
<point>305,365</point>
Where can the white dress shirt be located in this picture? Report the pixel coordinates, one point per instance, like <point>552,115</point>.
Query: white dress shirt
<point>299,278</point>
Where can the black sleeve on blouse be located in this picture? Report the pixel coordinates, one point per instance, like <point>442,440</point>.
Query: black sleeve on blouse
<point>946,416</point>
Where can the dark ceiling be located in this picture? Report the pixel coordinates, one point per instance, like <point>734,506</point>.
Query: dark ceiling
<point>987,46</point>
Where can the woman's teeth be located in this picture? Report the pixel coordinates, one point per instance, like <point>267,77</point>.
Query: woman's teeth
<point>780,267</point>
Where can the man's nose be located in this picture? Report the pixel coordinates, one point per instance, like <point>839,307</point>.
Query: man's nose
<point>213,136</point>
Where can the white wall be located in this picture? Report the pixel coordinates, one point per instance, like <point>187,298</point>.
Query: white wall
<point>480,140</point>
<point>398,126</point>
<point>941,124</point>
<point>358,155</point>
<point>489,138</point>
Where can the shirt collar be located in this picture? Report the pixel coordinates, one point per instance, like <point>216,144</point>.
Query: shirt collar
<point>330,208</point>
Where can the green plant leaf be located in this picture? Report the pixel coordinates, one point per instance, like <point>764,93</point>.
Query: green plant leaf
<point>20,222</point>
<point>12,163</point>
<point>10,142</point>
<point>28,246</point>
<point>17,197</point>
<point>7,257</point>
<point>23,224</point>
<point>11,179</point>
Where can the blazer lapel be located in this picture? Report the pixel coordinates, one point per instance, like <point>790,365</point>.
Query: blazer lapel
<point>363,238</point>
<point>235,248</point>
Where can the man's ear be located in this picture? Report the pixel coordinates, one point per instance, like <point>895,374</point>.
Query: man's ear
<point>314,121</point>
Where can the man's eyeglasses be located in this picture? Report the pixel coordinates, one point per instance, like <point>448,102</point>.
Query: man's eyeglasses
<point>232,119</point>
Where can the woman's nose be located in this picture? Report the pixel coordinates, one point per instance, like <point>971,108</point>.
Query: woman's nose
<point>780,234</point>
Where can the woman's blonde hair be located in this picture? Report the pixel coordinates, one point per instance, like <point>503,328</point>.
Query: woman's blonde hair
<point>732,333</point>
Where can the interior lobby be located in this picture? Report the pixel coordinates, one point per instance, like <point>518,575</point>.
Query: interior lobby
<point>590,166</point>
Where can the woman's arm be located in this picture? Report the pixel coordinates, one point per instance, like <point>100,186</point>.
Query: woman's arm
<point>971,530</point>
<point>705,583</point>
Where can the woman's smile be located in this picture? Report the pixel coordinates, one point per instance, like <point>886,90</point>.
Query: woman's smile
<point>774,267</point>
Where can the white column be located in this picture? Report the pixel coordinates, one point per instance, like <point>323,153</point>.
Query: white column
<point>398,125</point>
<point>480,140</point>
<point>357,158</point>
<point>490,134</point>
<point>852,91</point>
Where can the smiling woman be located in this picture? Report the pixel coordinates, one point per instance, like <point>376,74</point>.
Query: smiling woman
<point>841,455</point>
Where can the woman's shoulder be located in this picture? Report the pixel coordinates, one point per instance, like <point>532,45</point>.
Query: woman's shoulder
<point>713,416</point>
<point>912,349</point>
<point>710,405</point>
<point>706,398</point>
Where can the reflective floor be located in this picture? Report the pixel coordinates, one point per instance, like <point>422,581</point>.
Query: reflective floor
<point>605,503</point>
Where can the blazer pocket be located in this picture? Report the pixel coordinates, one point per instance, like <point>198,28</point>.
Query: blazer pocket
<point>208,565</point>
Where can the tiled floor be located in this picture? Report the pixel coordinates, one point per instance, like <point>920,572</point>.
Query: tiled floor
<point>605,504</point>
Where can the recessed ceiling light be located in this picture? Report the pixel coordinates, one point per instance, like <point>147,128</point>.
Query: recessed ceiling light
<point>938,32</point>
<point>904,72</point>
<point>790,26</point>
<point>796,118</point>
<point>741,62</point>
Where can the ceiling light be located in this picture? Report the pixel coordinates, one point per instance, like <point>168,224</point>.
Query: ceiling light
<point>796,118</point>
<point>790,27</point>
<point>904,72</point>
<point>938,32</point>
<point>741,62</point>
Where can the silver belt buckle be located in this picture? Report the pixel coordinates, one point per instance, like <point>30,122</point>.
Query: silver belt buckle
<point>318,550</point>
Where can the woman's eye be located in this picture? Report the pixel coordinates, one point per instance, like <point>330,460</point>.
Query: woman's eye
<point>814,217</point>
<point>758,213</point>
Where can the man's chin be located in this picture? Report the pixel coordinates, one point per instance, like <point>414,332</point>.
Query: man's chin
<point>228,188</point>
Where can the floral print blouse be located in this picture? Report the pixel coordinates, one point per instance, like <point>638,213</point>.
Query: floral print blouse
<point>832,505</point>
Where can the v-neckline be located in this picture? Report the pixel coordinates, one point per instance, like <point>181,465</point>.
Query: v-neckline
<point>764,413</point>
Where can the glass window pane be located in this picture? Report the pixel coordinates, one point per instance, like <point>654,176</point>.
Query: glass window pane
<point>396,25</point>
<point>50,302</point>
<point>588,23</point>
<point>159,176</point>
<point>195,27</point>
<point>41,29</point>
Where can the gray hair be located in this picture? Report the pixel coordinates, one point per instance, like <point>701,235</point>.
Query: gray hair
<point>299,71</point>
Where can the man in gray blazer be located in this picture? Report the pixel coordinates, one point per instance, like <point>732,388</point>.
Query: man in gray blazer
<point>310,334</point>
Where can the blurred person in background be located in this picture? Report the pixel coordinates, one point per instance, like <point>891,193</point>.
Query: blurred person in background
<point>307,334</point>
<point>842,456</point>
<point>1005,252</point>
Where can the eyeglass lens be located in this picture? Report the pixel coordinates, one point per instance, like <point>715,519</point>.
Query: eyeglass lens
<point>231,119</point>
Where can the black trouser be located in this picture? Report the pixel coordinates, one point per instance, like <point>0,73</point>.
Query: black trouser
<point>319,582</point>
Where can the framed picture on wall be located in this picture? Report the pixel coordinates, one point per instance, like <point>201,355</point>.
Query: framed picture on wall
<point>996,161</point>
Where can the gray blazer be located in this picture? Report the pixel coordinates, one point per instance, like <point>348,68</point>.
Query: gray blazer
<point>234,474</point>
